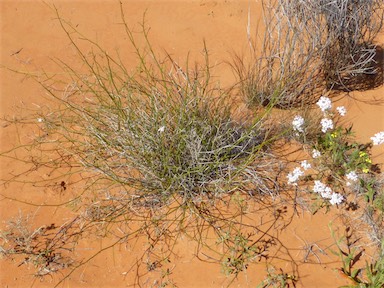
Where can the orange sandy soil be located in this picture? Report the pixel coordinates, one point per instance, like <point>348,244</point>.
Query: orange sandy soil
<point>178,27</point>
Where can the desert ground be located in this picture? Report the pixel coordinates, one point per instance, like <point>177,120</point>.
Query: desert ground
<point>31,39</point>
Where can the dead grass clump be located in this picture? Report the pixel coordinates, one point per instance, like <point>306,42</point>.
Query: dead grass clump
<point>344,32</point>
<point>310,47</point>
<point>285,70</point>
<point>47,248</point>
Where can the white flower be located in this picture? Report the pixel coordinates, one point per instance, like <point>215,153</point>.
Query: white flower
<point>327,193</point>
<point>316,153</point>
<point>326,124</point>
<point>298,123</point>
<point>40,120</point>
<point>324,103</point>
<point>352,176</point>
<point>336,198</point>
<point>294,176</point>
<point>378,138</point>
<point>342,111</point>
<point>305,165</point>
<point>161,129</point>
<point>322,189</point>
<point>319,187</point>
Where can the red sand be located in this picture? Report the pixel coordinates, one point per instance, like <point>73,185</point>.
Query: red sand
<point>31,37</point>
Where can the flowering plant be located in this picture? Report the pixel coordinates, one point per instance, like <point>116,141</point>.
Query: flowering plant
<point>338,161</point>
<point>343,155</point>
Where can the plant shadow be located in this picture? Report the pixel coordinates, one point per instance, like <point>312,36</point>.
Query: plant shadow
<point>364,82</point>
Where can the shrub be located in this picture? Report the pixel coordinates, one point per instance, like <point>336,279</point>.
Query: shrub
<point>345,32</point>
<point>285,70</point>
<point>157,146</point>
<point>310,47</point>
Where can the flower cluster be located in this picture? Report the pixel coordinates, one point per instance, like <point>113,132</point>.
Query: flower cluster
<point>364,161</point>
<point>342,111</point>
<point>294,176</point>
<point>378,138</point>
<point>336,199</point>
<point>324,103</point>
<point>322,189</point>
<point>298,123</point>
<point>316,153</point>
<point>326,124</point>
<point>352,177</point>
<point>339,153</point>
<point>305,165</point>
<point>327,193</point>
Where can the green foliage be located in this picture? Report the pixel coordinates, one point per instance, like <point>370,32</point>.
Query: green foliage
<point>343,155</point>
<point>278,279</point>
<point>371,275</point>
<point>241,253</point>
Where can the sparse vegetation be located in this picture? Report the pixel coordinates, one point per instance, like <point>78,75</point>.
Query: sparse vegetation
<point>162,155</point>
<point>308,48</point>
